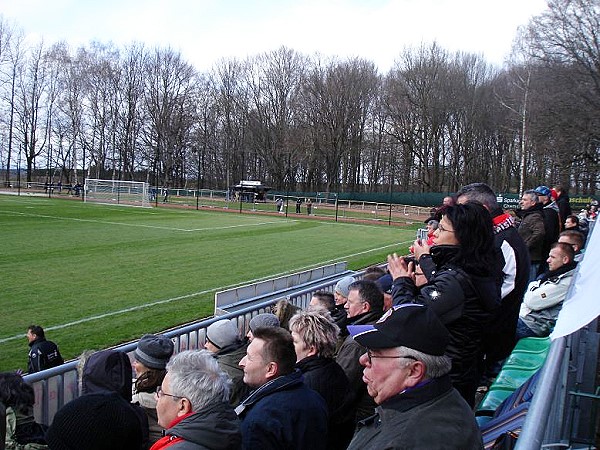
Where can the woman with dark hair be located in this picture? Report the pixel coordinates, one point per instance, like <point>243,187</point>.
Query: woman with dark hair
<point>18,398</point>
<point>462,286</point>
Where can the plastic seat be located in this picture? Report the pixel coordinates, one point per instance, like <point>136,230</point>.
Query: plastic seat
<point>512,378</point>
<point>533,344</point>
<point>492,400</point>
<point>524,360</point>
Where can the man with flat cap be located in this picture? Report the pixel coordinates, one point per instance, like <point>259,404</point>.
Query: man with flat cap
<point>406,373</point>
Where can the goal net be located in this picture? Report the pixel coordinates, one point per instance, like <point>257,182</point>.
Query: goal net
<point>133,193</point>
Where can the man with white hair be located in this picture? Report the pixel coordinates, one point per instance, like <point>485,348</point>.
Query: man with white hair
<point>406,373</point>
<point>193,405</point>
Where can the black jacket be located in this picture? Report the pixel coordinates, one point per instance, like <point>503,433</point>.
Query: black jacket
<point>564,208</point>
<point>552,227</point>
<point>499,337</point>
<point>347,357</point>
<point>464,303</point>
<point>326,377</point>
<point>43,355</point>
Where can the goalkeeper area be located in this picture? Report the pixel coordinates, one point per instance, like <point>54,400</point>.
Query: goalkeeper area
<point>129,193</point>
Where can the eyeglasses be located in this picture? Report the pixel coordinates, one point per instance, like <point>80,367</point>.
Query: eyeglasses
<point>371,356</point>
<point>441,228</point>
<point>159,393</point>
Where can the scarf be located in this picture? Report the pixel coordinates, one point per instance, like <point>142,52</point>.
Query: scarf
<point>503,222</point>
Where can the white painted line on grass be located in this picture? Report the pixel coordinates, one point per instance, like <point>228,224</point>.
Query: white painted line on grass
<point>185,230</point>
<point>208,291</point>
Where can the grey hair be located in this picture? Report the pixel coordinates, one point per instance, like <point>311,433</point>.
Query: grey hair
<point>435,366</point>
<point>480,193</point>
<point>316,329</point>
<point>195,375</point>
<point>532,195</point>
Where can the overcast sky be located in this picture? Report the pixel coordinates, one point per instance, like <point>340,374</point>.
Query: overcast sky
<point>208,30</point>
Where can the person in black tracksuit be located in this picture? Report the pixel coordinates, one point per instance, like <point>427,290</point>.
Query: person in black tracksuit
<point>43,354</point>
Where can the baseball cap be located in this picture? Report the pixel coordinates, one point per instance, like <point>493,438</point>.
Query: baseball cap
<point>542,190</point>
<point>408,325</point>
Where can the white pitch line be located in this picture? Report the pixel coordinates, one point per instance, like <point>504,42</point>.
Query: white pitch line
<point>183,297</point>
<point>185,230</point>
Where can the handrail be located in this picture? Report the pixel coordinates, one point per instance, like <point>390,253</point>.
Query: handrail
<point>56,386</point>
<point>534,429</point>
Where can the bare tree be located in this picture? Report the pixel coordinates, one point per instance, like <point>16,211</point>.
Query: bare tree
<point>274,83</point>
<point>228,80</point>
<point>169,91</point>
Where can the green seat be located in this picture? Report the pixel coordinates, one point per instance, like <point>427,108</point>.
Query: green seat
<point>533,345</point>
<point>511,378</point>
<point>525,360</point>
<point>493,399</point>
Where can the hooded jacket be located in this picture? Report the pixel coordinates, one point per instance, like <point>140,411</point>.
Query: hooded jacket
<point>464,303</point>
<point>215,427</point>
<point>110,371</point>
<point>107,371</point>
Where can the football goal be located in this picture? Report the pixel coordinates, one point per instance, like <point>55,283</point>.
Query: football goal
<point>132,193</point>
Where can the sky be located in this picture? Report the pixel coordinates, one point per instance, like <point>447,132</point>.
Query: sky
<point>205,31</point>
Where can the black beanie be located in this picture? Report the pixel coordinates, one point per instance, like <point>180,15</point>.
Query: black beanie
<point>96,422</point>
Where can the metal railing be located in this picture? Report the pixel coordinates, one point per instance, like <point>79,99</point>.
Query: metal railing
<point>56,386</point>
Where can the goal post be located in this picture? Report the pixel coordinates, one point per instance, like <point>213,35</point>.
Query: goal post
<point>131,193</point>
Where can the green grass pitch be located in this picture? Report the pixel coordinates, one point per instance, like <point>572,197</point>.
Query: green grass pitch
<point>106,274</point>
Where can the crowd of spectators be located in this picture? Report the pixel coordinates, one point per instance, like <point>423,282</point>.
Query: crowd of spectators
<point>391,360</point>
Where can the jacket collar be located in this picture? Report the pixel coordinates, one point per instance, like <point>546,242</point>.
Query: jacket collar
<point>558,272</point>
<point>312,362</point>
<point>538,207</point>
<point>281,383</point>
<point>366,318</point>
<point>443,254</point>
<point>408,399</point>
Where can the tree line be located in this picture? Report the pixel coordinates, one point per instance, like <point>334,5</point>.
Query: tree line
<point>435,121</point>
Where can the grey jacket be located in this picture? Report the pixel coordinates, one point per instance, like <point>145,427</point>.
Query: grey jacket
<point>432,416</point>
<point>215,427</point>
<point>543,301</point>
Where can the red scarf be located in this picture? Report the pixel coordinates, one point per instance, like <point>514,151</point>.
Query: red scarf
<point>502,222</point>
<point>169,440</point>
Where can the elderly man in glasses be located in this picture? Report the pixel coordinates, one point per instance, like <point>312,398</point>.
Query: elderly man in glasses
<point>406,373</point>
<point>193,405</point>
